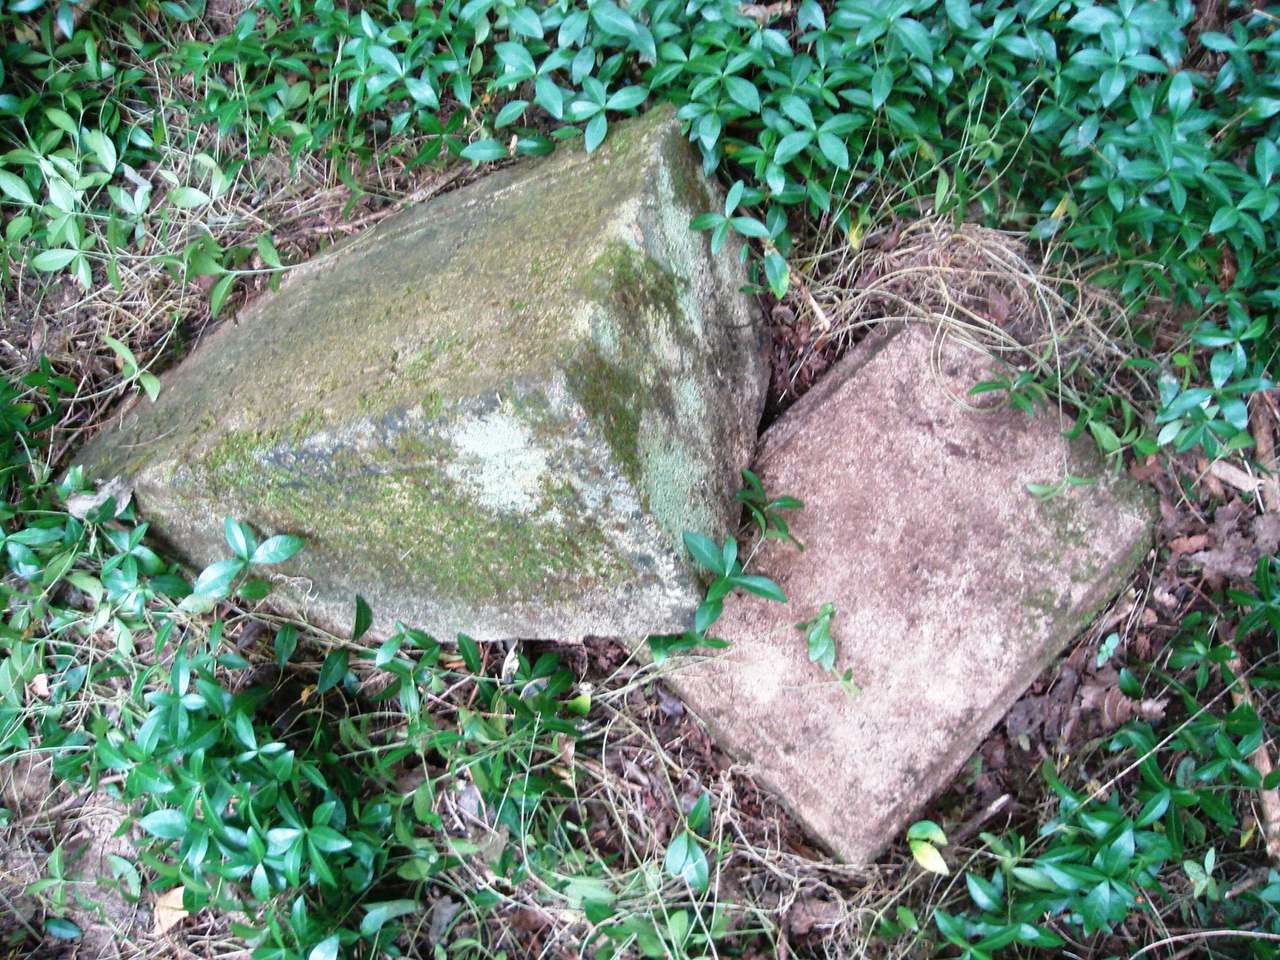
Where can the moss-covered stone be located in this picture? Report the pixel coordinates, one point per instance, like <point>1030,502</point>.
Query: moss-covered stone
<point>447,541</point>
<point>495,413</point>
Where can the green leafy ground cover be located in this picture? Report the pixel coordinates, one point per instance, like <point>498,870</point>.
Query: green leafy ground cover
<point>319,808</point>
<point>319,799</point>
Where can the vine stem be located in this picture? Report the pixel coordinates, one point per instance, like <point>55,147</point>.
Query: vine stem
<point>1204,935</point>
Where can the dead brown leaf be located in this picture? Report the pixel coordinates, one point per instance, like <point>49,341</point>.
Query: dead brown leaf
<point>806,914</point>
<point>1190,544</point>
<point>1240,538</point>
<point>1147,471</point>
<point>443,912</point>
<point>1209,481</point>
<point>80,505</point>
<point>1115,708</point>
<point>1025,717</point>
<point>1230,473</point>
<point>1264,443</point>
<point>168,911</point>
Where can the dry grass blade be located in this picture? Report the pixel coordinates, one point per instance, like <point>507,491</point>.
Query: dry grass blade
<point>981,285</point>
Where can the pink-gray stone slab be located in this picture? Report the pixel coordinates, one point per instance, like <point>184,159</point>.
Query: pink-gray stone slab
<point>954,587</point>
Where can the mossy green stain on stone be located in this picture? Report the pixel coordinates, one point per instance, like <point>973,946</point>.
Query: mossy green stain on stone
<point>1073,537</point>
<point>633,281</point>
<point>447,541</point>
<point>612,395</point>
<point>619,374</point>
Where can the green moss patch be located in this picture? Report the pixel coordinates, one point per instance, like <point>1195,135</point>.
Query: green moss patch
<point>407,523</point>
<point>615,377</point>
<point>612,395</point>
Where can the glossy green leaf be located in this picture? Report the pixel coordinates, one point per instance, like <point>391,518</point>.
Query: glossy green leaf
<point>165,824</point>
<point>187,198</point>
<point>377,915</point>
<point>278,549</point>
<point>15,188</point>
<point>704,552</point>
<point>484,151</point>
<point>685,860</point>
<point>363,617</point>
<point>333,670</point>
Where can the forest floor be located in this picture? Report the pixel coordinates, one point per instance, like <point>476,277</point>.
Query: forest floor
<point>1156,702</point>
<point>1217,520</point>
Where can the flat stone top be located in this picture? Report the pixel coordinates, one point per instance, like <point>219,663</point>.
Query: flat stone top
<point>954,587</point>
<point>421,307</point>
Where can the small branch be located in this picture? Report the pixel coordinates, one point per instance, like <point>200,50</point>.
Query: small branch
<point>824,322</point>
<point>974,823</point>
<point>1204,935</point>
<point>1264,440</point>
<point>369,219</point>
<point>1245,885</point>
<point>1268,800</point>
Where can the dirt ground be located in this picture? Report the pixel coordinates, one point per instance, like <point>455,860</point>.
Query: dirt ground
<point>1216,520</point>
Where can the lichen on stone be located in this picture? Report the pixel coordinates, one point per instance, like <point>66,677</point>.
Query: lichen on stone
<point>447,534</point>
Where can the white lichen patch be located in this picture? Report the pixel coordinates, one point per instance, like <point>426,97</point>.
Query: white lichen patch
<point>686,255</point>
<point>692,407</point>
<point>672,469</point>
<point>499,462</point>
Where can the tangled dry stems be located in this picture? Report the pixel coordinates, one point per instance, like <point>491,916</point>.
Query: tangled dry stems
<point>158,307</point>
<point>986,287</point>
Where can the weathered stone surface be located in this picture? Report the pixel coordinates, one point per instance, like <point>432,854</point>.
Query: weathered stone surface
<point>953,586</point>
<point>495,413</point>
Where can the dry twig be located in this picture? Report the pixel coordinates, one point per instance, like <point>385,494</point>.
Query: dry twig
<point>1268,800</point>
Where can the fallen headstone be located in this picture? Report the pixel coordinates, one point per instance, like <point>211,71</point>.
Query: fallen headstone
<point>494,413</point>
<point>953,586</point>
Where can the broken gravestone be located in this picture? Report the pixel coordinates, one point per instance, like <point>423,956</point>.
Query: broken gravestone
<point>953,586</point>
<point>494,413</point>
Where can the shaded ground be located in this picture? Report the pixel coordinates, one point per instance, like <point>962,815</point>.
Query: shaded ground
<point>1212,532</point>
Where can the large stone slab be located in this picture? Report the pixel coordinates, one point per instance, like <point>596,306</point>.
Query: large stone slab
<point>495,413</point>
<point>953,586</point>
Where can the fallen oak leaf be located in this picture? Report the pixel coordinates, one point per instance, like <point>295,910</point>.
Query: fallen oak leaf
<point>168,911</point>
